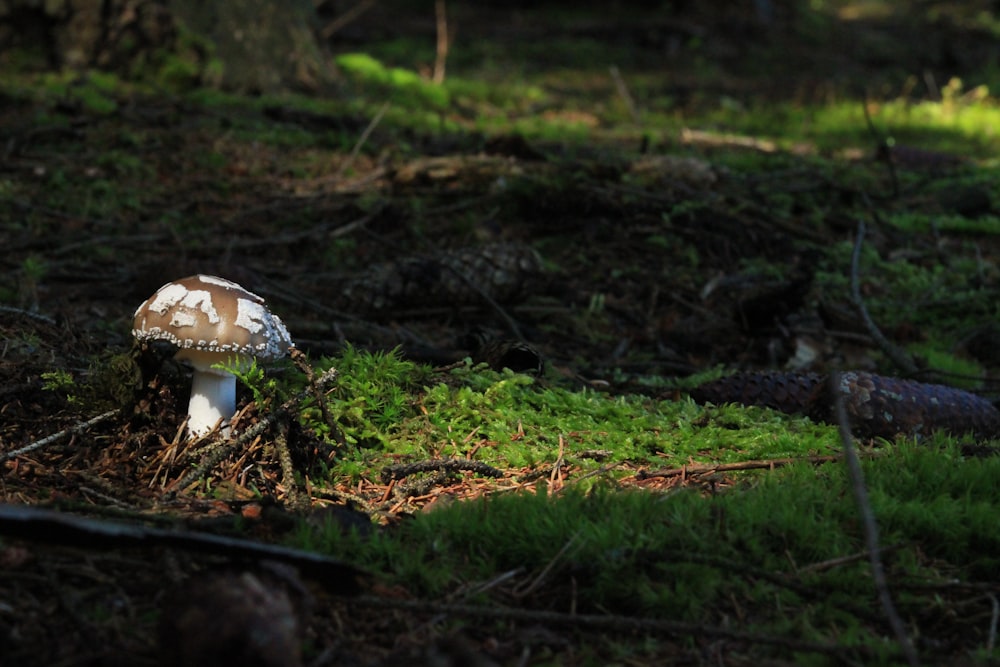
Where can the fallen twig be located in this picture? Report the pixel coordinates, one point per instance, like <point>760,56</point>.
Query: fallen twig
<point>347,18</point>
<point>622,88</point>
<point>831,563</point>
<point>520,593</point>
<point>868,523</point>
<point>27,313</point>
<point>48,440</point>
<point>43,525</point>
<point>353,155</point>
<point>441,55</point>
<point>895,354</point>
<point>401,470</point>
<point>224,448</point>
<point>991,639</point>
<point>883,151</point>
<point>768,464</point>
<point>608,623</point>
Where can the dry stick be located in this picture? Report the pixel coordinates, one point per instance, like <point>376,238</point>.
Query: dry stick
<point>72,430</point>
<point>895,354</point>
<point>622,89</point>
<point>593,473</point>
<point>868,523</point>
<point>441,56</point>
<point>991,639</point>
<point>492,583</point>
<point>729,467</point>
<point>607,623</point>
<point>515,330</point>
<point>292,497</point>
<point>43,525</point>
<point>521,593</point>
<point>397,471</point>
<point>346,164</point>
<point>347,498</point>
<point>316,232</point>
<point>110,239</point>
<point>789,581</point>
<point>225,448</point>
<point>301,362</point>
<point>843,560</point>
<point>883,146</point>
<point>346,18</point>
<point>27,313</point>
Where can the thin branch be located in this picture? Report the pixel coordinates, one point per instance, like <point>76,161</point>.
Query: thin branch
<point>521,593</point>
<point>623,93</point>
<point>27,313</point>
<point>348,17</point>
<point>883,150</point>
<point>398,471</point>
<point>43,525</point>
<point>441,57</point>
<point>48,440</point>
<point>894,352</point>
<point>111,240</point>
<point>224,448</point>
<point>346,164</point>
<point>868,523</point>
<point>991,639</point>
<point>767,464</point>
<point>511,323</point>
<point>301,362</point>
<point>292,497</point>
<point>486,586</point>
<point>843,560</point>
<point>608,623</point>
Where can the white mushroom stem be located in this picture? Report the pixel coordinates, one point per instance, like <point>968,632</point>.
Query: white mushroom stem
<point>213,397</point>
<point>213,392</point>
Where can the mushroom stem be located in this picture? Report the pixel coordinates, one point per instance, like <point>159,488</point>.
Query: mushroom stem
<point>213,397</point>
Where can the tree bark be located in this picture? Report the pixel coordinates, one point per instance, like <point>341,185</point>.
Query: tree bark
<point>251,46</point>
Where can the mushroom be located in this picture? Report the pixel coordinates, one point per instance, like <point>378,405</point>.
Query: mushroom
<point>212,321</point>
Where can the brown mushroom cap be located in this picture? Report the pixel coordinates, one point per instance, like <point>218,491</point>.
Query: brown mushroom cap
<point>209,314</point>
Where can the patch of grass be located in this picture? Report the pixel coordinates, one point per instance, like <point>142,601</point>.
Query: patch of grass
<point>961,371</point>
<point>96,92</point>
<point>515,421</point>
<point>955,224</point>
<point>406,88</point>
<point>371,397</point>
<point>941,302</point>
<point>688,557</point>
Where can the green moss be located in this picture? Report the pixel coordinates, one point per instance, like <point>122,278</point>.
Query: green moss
<point>370,400</point>
<point>678,555</point>
<point>405,87</point>
<point>186,64</point>
<point>94,91</point>
<point>959,371</point>
<point>524,424</point>
<point>916,291</point>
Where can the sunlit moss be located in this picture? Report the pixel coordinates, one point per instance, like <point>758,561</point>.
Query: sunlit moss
<point>681,554</point>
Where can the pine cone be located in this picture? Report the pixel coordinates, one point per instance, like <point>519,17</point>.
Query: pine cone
<point>878,406</point>
<point>501,271</point>
<point>516,355</point>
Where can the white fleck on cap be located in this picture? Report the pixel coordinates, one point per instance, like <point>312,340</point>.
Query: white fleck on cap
<point>209,314</point>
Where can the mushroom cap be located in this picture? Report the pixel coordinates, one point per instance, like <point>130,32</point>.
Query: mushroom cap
<point>206,314</point>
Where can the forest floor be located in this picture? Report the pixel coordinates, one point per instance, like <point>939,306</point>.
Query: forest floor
<point>636,207</point>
